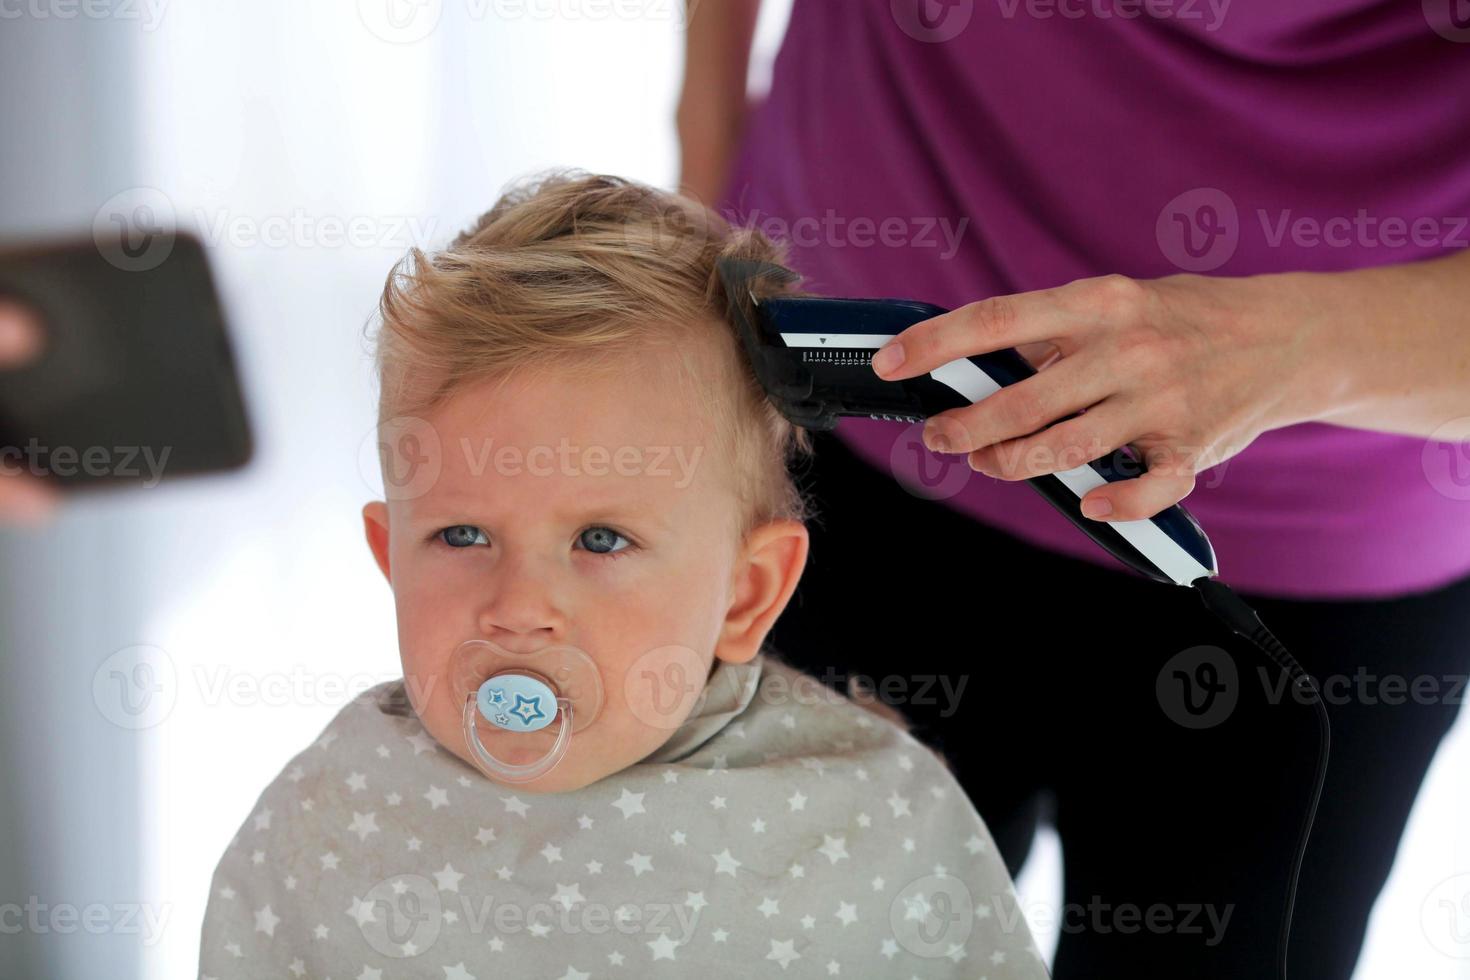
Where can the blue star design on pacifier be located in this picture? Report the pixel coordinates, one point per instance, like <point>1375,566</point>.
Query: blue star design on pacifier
<point>525,706</point>
<point>517,702</point>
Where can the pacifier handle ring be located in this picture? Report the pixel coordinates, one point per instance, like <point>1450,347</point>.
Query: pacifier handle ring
<point>529,771</point>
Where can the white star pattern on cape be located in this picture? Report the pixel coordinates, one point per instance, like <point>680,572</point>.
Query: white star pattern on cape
<point>629,803</point>
<point>777,836</point>
<point>266,921</point>
<point>725,864</point>
<point>364,824</point>
<point>782,952</point>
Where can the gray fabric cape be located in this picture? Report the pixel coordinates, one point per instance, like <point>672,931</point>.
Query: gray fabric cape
<point>783,831</point>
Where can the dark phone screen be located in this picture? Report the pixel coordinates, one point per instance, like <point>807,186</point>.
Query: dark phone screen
<point>136,381</point>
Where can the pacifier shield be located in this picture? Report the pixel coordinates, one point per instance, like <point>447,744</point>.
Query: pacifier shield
<point>542,679</point>
<point>523,693</point>
<point>517,702</point>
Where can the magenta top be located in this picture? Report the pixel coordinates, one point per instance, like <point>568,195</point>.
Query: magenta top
<point>991,150</point>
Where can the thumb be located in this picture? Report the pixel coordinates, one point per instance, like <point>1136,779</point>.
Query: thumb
<point>21,337</point>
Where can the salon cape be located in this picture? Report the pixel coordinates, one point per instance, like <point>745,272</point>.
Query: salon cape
<point>783,830</point>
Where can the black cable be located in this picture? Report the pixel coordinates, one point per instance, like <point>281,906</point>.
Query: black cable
<point>1242,619</point>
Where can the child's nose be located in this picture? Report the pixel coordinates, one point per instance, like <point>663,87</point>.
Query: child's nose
<point>528,641</point>
<point>521,615</point>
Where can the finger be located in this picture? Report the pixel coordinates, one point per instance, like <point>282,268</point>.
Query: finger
<point>1064,446</point>
<point>25,499</point>
<point>1140,498</point>
<point>1070,385</point>
<point>21,337</point>
<point>1040,356</point>
<point>978,328</point>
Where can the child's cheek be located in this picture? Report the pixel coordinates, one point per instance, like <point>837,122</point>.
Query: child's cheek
<point>429,685</point>
<point>663,685</point>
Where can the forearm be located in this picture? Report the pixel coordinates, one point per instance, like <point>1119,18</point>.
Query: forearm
<point>711,110</point>
<point>1389,347</point>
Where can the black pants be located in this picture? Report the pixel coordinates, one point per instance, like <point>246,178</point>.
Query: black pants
<point>1106,704</point>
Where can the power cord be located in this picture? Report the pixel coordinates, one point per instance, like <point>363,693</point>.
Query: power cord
<point>1242,619</point>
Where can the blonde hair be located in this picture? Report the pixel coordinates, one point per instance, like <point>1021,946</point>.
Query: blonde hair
<point>569,271</point>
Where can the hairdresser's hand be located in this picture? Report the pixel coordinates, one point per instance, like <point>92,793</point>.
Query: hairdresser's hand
<point>23,498</point>
<point>1188,370</point>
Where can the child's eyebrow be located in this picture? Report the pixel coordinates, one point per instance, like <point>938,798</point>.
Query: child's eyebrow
<point>472,511</point>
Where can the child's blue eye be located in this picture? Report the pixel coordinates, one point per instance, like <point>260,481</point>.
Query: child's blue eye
<point>602,536</point>
<point>598,540</point>
<point>462,536</point>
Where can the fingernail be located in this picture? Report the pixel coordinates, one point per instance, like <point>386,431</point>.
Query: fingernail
<point>888,358</point>
<point>1097,507</point>
<point>935,438</point>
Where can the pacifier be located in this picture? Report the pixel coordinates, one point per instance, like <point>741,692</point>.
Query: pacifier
<point>524,693</point>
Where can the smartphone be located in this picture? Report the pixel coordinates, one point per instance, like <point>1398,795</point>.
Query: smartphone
<point>136,382</point>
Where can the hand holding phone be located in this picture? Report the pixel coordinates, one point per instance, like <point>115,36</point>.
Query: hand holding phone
<point>113,372</point>
<point>23,498</point>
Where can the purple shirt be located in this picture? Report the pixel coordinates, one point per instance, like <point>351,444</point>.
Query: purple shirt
<point>994,149</point>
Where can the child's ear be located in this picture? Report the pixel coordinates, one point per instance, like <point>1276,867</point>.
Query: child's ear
<point>765,577</point>
<point>375,524</point>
